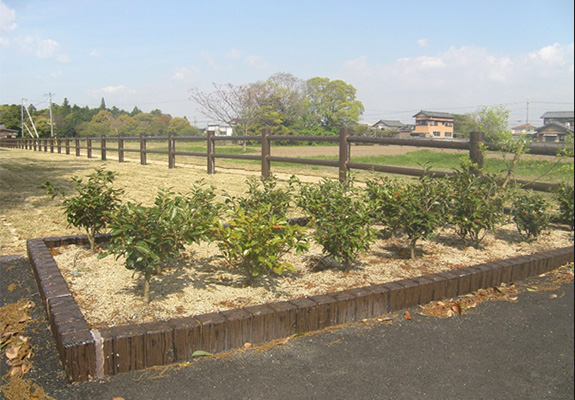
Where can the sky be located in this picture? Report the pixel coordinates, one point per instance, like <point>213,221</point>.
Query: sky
<point>401,56</point>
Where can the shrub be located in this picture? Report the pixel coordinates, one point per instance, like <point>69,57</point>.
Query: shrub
<point>416,209</point>
<point>342,217</point>
<point>149,237</point>
<point>258,234</point>
<point>476,205</point>
<point>255,241</point>
<point>565,198</point>
<point>89,208</point>
<point>530,215</point>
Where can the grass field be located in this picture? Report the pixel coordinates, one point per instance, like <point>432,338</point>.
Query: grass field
<point>27,212</point>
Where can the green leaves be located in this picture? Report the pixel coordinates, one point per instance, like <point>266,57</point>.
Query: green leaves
<point>258,233</point>
<point>564,196</point>
<point>530,215</point>
<point>342,217</point>
<point>94,200</point>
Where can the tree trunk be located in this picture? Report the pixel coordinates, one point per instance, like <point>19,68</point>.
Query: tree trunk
<point>148,276</point>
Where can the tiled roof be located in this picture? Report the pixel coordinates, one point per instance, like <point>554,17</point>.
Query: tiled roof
<point>433,114</point>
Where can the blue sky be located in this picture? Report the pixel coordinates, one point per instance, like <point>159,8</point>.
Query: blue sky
<point>401,56</point>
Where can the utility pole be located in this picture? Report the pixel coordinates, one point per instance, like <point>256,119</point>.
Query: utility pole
<point>51,120</point>
<point>527,116</point>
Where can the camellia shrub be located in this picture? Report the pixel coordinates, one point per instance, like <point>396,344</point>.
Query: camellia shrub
<point>566,210</point>
<point>257,234</point>
<point>477,202</point>
<point>416,209</point>
<point>150,237</point>
<point>530,215</point>
<point>94,200</point>
<point>342,217</point>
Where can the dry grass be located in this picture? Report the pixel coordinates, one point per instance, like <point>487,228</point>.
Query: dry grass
<point>26,211</point>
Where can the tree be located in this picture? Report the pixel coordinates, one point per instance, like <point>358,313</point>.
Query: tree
<point>332,104</point>
<point>493,121</point>
<point>463,124</point>
<point>229,104</point>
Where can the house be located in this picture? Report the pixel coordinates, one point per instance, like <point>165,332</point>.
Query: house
<point>553,132</point>
<point>525,130</point>
<point>220,129</point>
<point>393,127</point>
<point>560,117</point>
<point>6,133</point>
<point>556,125</point>
<point>432,124</point>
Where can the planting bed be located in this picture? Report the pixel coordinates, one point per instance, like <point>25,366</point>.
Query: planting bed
<point>94,353</point>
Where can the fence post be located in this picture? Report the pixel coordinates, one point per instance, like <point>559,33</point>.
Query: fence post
<point>77,143</point>
<point>343,155</point>
<point>476,141</point>
<point>67,145</point>
<point>103,146</point>
<point>89,146</point>
<point>59,145</point>
<point>51,145</point>
<point>45,145</point>
<point>120,148</point>
<point>210,151</point>
<point>142,149</point>
<point>266,150</point>
<point>171,151</point>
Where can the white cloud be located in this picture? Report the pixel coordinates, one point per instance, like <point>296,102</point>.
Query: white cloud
<point>462,76</point>
<point>95,53</point>
<point>7,18</point>
<point>234,54</point>
<point>113,90</point>
<point>552,55</point>
<point>257,62</point>
<point>184,74</point>
<point>423,43</point>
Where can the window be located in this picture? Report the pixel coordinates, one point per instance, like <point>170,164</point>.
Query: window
<point>436,134</point>
<point>448,134</point>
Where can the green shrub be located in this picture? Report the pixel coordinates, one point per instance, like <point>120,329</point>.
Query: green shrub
<point>342,217</point>
<point>530,215</point>
<point>94,199</point>
<point>565,198</point>
<point>255,241</point>
<point>476,205</point>
<point>416,209</point>
<point>149,237</point>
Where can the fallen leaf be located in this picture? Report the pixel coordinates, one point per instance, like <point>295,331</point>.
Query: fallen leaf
<point>457,308</point>
<point>247,345</point>
<point>283,341</point>
<point>11,287</point>
<point>200,353</point>
<point>553,296</point>
<point>12,352</point>
<point>407,315</point>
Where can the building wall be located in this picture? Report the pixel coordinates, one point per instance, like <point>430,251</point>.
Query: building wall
<point>439,128</point>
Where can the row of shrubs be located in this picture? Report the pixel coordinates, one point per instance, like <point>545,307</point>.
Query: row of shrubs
<point>253,231</point>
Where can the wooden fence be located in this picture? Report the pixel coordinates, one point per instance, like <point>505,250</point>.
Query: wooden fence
<point>344,164</point>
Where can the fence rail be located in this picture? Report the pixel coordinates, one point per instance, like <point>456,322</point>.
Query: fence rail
<point>344,163</point>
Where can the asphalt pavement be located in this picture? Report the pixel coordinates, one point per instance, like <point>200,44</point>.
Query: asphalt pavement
<point>498,350</point>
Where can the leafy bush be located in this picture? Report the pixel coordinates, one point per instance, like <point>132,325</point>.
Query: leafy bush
<point>416,209</point>
<point>342,217</point>
<point>565,198</point>
<point>477,203</point>
<point>148,237</point>
<point>89,208</point>
<point>255,241</point>
<point>266,191</point>
<point>258,233</point>
<point>530,215</point>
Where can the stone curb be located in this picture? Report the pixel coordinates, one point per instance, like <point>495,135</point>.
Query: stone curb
<point>92,354</point>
